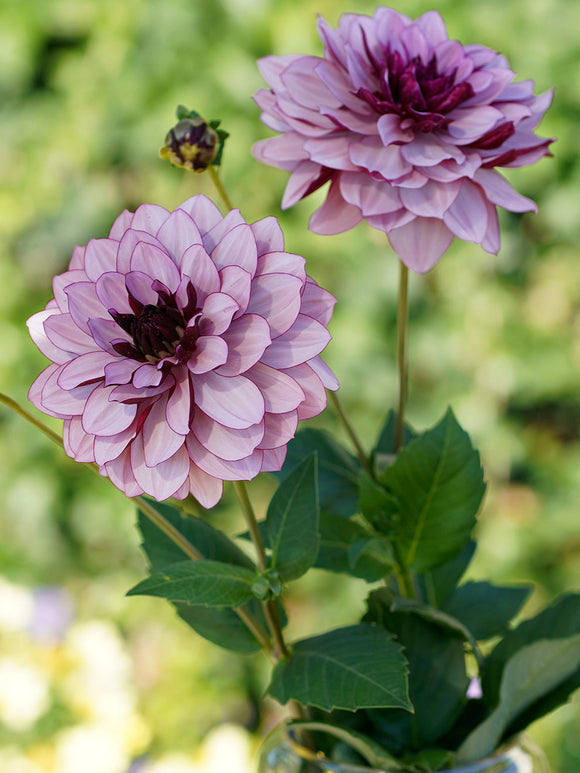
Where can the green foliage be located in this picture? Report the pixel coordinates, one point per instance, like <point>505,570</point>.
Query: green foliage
<point>348,668</point>
<point>291,524</point>
<point>347,546</point>
<point>486,609</point>
<point>438,482</point>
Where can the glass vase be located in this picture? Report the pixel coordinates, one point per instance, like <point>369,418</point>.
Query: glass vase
<point>282,754</point>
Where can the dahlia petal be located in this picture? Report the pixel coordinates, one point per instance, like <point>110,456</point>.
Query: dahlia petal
<point>147,376</point>
<point>225,442</point>
<point>237,283</point>
<point>421,243</point>
<point>178,233</point>
<point>335,215</point>
<point>120,371</point>
<point>130,394</point>
<point>324,373</point>
<point>303,83</point>
<point>314,392</point>
<point>304,340</point>
<point>121,224</point>
<point>64,403</point>
<point>337,81</point>
<point>370,196</point>
<point>280,391</point>
<point>332,152</point>
<point>393,220</point>
<point>271,115</point>
<point>499,191</point>
<point>225,224</point>
<point>160,442</point>
<point>333,44</point>
<point>279,429</point>
<point>317,302</point>
<point>431,200</point>
<point>284,152</point>
<point>37,387</point>
<point>304,120</point>
<point>83,369</point>
<point>205,488</point>
<point>371,155</point>
<point>108,448</point>
<point>240,469</point>
<point>202,211</point>
<point>179,403</point>
<point>467,216</point>
<point>77,444</point>
<point>156,263</point>
<point>140,286</point>
<point>491,240</point>
<point>470,123</point>
<point>433,27</point>
<point>272,67</point>
<point>237,248</point>
<point>37,332</point>
<point>233,401</point>
<point>217,313</point>
<point>112,292</point>
<point>149,218</point>
<point>360,75</point>
<point>358,121</point>
<point>66,336</point>
<point>414,180</point>
<point>389,127</point>
<point>106,331</point>
<point>162,481</point>
<point>102,416</point>
<point>210,353</point>
<point>276,297</point>
<point>121,475</point>
<point>281,263</point>
<point>303,177</point>
<point>267,235</point>
<point>84,305</point>
<point>128,244</point>
<point>62,282</point>
<point>100,257</point>
<point>415,43</point>
<point>273,459</point>
<point>427,150</point>
<point>77,260</point>
<point>204,276</point>
<point>246,339</point>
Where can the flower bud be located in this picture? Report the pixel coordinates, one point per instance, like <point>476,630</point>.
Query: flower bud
<point>191,144</point>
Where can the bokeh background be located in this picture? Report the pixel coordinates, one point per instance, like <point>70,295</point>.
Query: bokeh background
<point>92,681</point>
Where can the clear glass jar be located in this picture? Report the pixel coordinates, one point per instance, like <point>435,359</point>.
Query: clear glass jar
<point>282,755</point>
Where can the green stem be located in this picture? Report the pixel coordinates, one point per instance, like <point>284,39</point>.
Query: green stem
<point>154,516</point>
<point>402,325</point>
<point>269,607</point>
<point>403,574</point>
<point>349,429</point>
<point>220,187</point>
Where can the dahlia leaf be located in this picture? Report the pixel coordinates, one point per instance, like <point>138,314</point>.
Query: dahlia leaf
<point>534,671</point>
<point>348,547</point>
<point>209,583</point>
<point>349,668</point>
<point>486,609</point>
<point>292,522</point>
<point>338,470</point>
<point>438,483</point>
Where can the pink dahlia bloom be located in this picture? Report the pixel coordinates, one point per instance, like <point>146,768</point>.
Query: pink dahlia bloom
<point>408,127</point>
<point>185,349</point>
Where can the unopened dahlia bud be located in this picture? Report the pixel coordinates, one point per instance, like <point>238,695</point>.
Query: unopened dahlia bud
<point>194,143</point>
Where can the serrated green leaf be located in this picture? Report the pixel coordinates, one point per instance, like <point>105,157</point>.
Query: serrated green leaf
<point>435,616</point>
<point>348,668</point>
<point>210,583</point>
<point>533,671</point>
<point>438,482</point>
<point>486,609</point>
<point>385,445</point>
<point>437,585</point>
<point>338,470</point>
<point>376,504</point>
<point>292,522</point>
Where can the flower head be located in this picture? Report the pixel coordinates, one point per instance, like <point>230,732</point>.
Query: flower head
<point>408,127</point>
<point>184,348</point>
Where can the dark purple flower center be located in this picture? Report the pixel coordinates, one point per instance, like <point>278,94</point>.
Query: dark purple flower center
<point>414,90</point>
<point>159,330</point>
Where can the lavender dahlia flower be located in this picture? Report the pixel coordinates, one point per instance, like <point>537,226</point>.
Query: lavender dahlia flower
<point>408,126</point>
<point>185,349</point>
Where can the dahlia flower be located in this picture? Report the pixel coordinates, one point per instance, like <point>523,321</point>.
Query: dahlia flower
<point>184,348</point>
<point>408,127</point>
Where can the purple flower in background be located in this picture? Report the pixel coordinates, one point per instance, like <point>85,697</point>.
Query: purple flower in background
<point>185,349</point>
<point>408,127</point>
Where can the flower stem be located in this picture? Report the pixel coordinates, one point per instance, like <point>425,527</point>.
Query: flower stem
<point>269,606</point>
<point>350,431</point>
<point>402,326</point>
<point>154,516</point>
<point>220,187</point>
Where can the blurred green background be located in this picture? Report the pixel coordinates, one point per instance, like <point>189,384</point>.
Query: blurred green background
<point>92,681</point>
